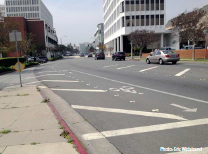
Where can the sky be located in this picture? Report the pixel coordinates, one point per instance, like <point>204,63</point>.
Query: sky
<point>78,19</point>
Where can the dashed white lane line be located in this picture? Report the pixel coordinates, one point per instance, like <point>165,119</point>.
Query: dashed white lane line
<point>183,72</point>
<point>61,81</point>
<point>204,151</point>
<point>132,112</point>
<point>80,90</point>
<point>46,72</point>
<point>148,69</point>
<point>158,91</point>
<point>125,67</point>
<point>110,66</point>
<point>145,129</point>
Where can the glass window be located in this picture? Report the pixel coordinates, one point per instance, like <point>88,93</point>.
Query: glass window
<point>142,5</point>
<point>157,20</point>
<point>157,5</point>
<point>158,53</point>
<point>127,6</point>
<point>132,5</point>
<point>161,19</point>
<point>137,21</point>
<point>147,5</point>
<point>127,21</point>
<point>152,20</point>
<point>137,5</point>
<point>152,5</point>
<point>133,20</point>
<point>142,20</point>
<point>147,20</point>
<point>161,4</point>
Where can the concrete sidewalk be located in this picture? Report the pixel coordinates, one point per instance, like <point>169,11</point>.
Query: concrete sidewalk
<point>27,124</point>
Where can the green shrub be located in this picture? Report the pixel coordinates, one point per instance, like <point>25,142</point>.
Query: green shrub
<point>27,64</point>
<point>7,62</point>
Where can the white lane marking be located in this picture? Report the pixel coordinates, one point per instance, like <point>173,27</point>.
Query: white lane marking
<point>110,66</point>
<point>64,81</point>
<point>145,129</point>
<point>204,151</point>
<point>44,75</point>
<point>183,72</point>
<point>46,72</point>
<point>42,87</point>
<point>148,69</point>
<point>162,92</point>
<point>185,108</point>
<point>125,67</point>
<point>80,90</point>
<point>132,112</point>
<point>33,82</point>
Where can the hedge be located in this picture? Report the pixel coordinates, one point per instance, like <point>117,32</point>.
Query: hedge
<point>54,59</point>
<point>7,62</point>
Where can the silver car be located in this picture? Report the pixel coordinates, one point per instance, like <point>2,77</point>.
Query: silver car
<point>163,56</point>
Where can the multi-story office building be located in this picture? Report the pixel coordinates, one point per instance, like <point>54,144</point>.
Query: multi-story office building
<point>84,47</point>
<point>99,35</point>
<point>121,17</point>
<point>34,11</point>
<point>2,10</point>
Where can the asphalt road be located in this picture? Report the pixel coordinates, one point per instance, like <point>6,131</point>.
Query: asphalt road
<point>139,108</point>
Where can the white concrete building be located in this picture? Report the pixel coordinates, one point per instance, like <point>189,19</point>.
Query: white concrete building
<point>121,17</point>
<point>2,10</point>
<point>84,47</point>
<point>99,35</point>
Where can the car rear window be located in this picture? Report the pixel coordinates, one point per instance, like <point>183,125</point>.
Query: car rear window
<point>168,52</point>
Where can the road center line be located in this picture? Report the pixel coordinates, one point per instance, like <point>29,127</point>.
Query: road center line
<point>148,69</point>
<point>145,129</point>
<point>125,67</point>
<point>80,90</point>
<point>183,72</point>
<point>158,91</point>
<point>132,112</point>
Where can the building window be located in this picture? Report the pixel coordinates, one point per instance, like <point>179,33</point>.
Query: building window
<point>142,5</point>
<point>152,20</point>
<point>137,6</point>
<point>152,5</point>
<point>157,5</point>
<point>157,20</point>
<point>133,20</point>
<point>127,6</point>
<point>162,5</point>
<point>127,21</point>
<point>161,19</point>
<point>122,21</point>
<point>132,5</point>
<point>147,20</point>
<point>147,5</point>
<point>137,21</point>
<point>142,20</point>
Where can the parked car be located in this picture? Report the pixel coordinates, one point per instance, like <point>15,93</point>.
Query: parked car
<point>90,55</point>
<point>99,55</point>
<point>82,55</point>
<point>31,59</point>
<point>42,59</point>
<point>163,56</point>
<point>119,55</point>
<point>166,48</point>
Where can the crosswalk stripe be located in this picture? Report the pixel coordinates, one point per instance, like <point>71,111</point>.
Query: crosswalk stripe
<point>125,67</point>
<point>145,129</point>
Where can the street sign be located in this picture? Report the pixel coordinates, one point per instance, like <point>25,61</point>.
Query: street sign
<point>12,36</point>
<point>19,67</point>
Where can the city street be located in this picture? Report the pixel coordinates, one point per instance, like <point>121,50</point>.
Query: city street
<point>139,108</point>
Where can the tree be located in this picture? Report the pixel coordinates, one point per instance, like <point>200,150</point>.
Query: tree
<point>26,43</point>
<point>190,26</point>
<point>92,49</point>
<point>101,47</point>
<point>141,39</point>
<point>111,50</point>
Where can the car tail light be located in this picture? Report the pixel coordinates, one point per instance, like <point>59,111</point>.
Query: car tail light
<point>178,55</point>
<point>167,55</point>
<point>98,54</point>
<point>124,54</point>
<point>117,55</point>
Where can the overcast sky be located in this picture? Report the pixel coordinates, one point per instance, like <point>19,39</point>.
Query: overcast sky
<point>77,19</point>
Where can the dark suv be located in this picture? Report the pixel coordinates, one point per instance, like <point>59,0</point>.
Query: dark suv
<point>119,55</point>
<point>99,55</point>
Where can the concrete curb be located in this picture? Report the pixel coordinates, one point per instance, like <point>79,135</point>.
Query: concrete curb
<point>66,127</point>
<point>78,125</point>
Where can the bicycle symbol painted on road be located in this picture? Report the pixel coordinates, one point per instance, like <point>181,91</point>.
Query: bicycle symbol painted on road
<point>126,89</point>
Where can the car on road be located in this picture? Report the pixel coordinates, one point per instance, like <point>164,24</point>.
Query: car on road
<point>119,55</point>
<point>163,56</point>
<point>42,59</point>
<point>90,55</point>
<point>82,55</point>
<point>99,55</point>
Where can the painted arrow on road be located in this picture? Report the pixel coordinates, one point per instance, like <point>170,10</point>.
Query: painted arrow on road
<point>185,108</point>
